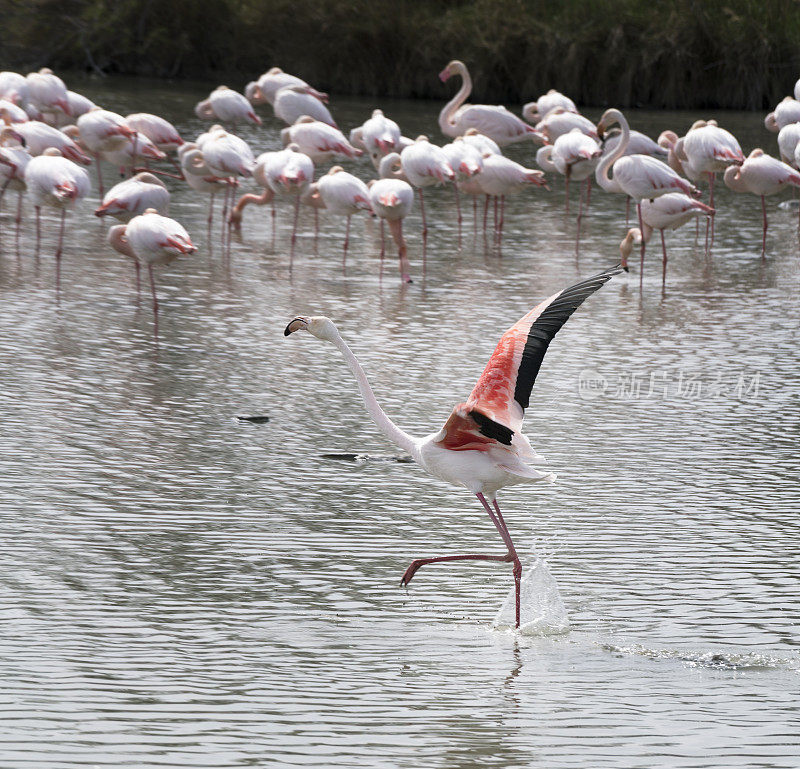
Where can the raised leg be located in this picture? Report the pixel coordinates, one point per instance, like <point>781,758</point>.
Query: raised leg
<point>511,556</point>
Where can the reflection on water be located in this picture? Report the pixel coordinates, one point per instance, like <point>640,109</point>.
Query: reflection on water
<point>182,588</point>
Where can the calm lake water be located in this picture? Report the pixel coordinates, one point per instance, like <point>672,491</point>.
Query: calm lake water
<point>183,589</point>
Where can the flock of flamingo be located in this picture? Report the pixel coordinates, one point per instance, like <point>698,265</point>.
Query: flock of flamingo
<point>48,134</point>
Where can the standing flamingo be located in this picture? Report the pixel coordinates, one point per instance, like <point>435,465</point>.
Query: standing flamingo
<point>788,139</point>
<point>667,212</point>
<point>344,195</point>
<point>47,92</point>
<point>559,122</point>
<point>424,165</point>
<point>497,122</point>
<point>54,181</point>
<point>481,446</point>
<point>289,173</point>
<point>640,176</point>
<point>788,111</point>
<point>161,132</point>
<point>200,177</point>
<point>264,89</point>
<point>761,175</point>
<point>574,155</point>
<point>392,199</point>
<point>14,87</point>
<point>707,150</point>
<point>39,136</point>
<point>102,131</point>
<point>378,136</point>
<point>156,240</point>
<point>14,159</point>
<point>466,162</point>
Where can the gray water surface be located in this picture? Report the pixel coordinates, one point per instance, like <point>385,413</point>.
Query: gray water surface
<point>184,589</point>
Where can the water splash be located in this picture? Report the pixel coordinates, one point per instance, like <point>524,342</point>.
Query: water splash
<point>542,611</point>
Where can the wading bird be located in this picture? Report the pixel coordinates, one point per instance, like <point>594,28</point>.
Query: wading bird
<point>481,446</point>
<point>497,122</point>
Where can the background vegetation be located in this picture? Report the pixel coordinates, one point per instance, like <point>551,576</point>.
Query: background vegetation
<point>691,54</point>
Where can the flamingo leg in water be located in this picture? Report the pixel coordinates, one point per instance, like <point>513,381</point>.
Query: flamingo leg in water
<point>155,298</point>
<point>641,229</point>
<point>396,228</point>
<point>424,220</point>
<point>138,279</point>
<point>485,214</point>
<point>764,235</point>
<point>566,196</point>
<point>502,220</point>
<point>475,215</point>
<point>294,225</point>
<point>458,210</point>
<point>510,556</point>
<point>59,249</point>
<point>99,177</point>
<point>3,191</point>
<point>346,240</point>
<point>663,260</point>
<point>18,222</point>
<point>383,248</point>
<point>627,211</point>
<point>38,229</point>
<point>711,203</point>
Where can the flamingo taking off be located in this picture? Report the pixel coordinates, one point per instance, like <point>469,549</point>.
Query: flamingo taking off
<point>496,122</point>
<point>761,175</point>
<point>481,446</point>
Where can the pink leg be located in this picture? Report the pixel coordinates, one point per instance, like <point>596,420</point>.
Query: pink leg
<point>503,529</point>
<point>485,214</point>
<point>59,249</point>
<point>663,261</point>
<point>210,213</point>
<point>641,257</point>
<point>383,248</point>
<point>475,214</point>
<point>422,209</point>
<point>155,299</point>
<point>458,210</point>
<point>18,222</point>
<point>346,240</point>
<point>138,279</point>
<point>588,191</point>
<point>294,225</point>
<point>38,229</point>
<point>764,236</point>
<point>396,228</point>
<point>502,221</point>
<point>627,212</point>
<point>566,196</point>
<point>316,227</point>
<point>712,177</point>
<point>3,191</point>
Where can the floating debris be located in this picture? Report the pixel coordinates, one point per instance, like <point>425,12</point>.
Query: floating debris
<point>256,419</point>
<point>364,458</point>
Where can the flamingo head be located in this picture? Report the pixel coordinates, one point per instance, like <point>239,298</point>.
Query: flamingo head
<point>389,199</point>
<point>634,236</point>
<point>65,191</point>
<point>450,70</point>
<point>320,327</point>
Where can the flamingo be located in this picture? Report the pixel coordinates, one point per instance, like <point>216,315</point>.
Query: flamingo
<point>227,106</point>
<point>502,176</point>
<point>481,446</point>
<point>378,136</point>
<point>424,165</point>
<point>14,87</point>
<point>481,143</point>
<point>496,122</point>
<point>200,177</point>
<point>706,150</point>
<point>263,91</point>
<point>467,162</point>
<point>667,212</point>
<point>47,92</point>
<point>14,159</point>
<point>638,144</point>
<point>788,138</point>
<point>318,140</point>
<point>159,131</point>
<point>538,110</point>
<point>11,113</point>
<point>102,131</point>
<point>55,181</point>
<point>559,122</point>
<point>288,173</point>
<point>638,176</point>
<point>155,240</point>
<point>788,111</point>
<point>761,175</point>
<point>128,153</point>
<point>39,136</point>
<point>134,196</point>
<point>574,155</point>
<point>343,194</point>
<point>392,199</point>
<point>294,101</point>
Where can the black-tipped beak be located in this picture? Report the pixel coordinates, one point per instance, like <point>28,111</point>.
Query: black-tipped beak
<point>625,267</point>
<point>295,325</point>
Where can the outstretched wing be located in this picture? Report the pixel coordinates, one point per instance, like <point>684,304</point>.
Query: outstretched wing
<point>495,408</point>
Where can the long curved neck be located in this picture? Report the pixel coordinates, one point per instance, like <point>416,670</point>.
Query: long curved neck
<point>386,426</point>
<point>601,174</point>
<point>446,115</point>
<point>733,179</point>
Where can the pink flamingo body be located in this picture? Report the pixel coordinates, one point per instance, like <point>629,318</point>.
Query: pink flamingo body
<point>289,173</point>
<point>294,101</point>
<point>343,195</point>
<point>14,87</point>
<point>538,110</point>
<point>264,89</point>
<point>47,92</point>
<point>11,113</point>
<point>227,106</point>
<point>788,111</point>
<point>392,199</point>
<point>481,446</point>
<point>319,140</point>
<point>378,136</point>
<point>559,122</point>
<point>40,136</point>
<point>159,131</point>
<point>134,196</point>
<point>761,175</point>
